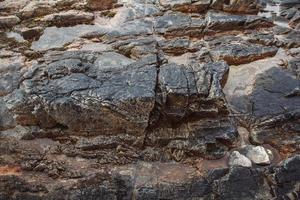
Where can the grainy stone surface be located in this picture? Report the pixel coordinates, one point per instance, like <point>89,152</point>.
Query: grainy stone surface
<point>237,159</point>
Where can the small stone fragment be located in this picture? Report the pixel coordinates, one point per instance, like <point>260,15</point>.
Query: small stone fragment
<point>258,155</point>
<point>237,159</point>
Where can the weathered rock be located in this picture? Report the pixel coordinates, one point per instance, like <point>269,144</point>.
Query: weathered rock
<point>236,6</point>
<point>240,52</point>
<point>177,46</point>
<point>105,61</point>
<point>36,9</point>
<point>250,182</point>
<point>171,22</point>
<point>266,39</point>
<point>294,66</point>
<point>6,118</point>
<point>237,159</point>
<point>257,154</point>
<point>56,38</point>
<point>242,6</point>
<point>10,75</point>
<point>292,39</point>
<point>132,107</point>
<point>100,4</point>
<point>287,178</point>
<point>15,36</point>
<point>295,20</point>
<point>31,33</point>
<point>137,48</point>
<point>131,28</point>
<point>220,22</point>
<point>90,86</point>
<point>187,5</point>
<point>289,13</point>
<point>12,7</point>
<point>8,21</point>
<point>177,24</point>
<point>100,91</point>
<point>71,17</point>
<point>273,121</point>
<point>175,106</point>
<point>143,8</point>
<point>145,180</point>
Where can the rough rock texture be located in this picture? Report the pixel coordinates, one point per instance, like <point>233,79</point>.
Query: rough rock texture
<point>258,155</point>
<point>149,99</point>
<point>8,21</point>
<point>237,159</point>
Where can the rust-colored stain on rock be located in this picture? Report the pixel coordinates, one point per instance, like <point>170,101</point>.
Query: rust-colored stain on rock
<point>9,170</point>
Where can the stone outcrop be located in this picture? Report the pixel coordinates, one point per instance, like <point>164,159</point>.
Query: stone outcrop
<point>149,99</point>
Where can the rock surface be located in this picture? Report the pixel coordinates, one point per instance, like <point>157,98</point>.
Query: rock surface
<point>8,21</point>
<point>258,155</point>
<point>237,159</point>
<point>149,99</point>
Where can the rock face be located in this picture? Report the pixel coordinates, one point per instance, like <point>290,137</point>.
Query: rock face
<point>148,99</point>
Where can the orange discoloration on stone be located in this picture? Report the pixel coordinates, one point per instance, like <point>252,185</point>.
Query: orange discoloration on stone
<point>10,170</point>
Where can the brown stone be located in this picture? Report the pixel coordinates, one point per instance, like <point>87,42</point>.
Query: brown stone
<point>100,4</point>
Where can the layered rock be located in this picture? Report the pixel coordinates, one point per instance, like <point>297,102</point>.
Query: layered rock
<point>8,21</point>
<point>88,94</point>
<point>268,101</point>
<point>157,181</point>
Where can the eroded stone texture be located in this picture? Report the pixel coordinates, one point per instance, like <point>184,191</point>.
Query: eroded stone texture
<point>155,181</point>
<point>56,38</point>
<point>71,17</point>
<point>235,50</point>
<point>88,88</point>
<point>100,4</point>
<point>90,94</point>
<point>275,120</point>
<point>187,5</point>
<point>8,21</point>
